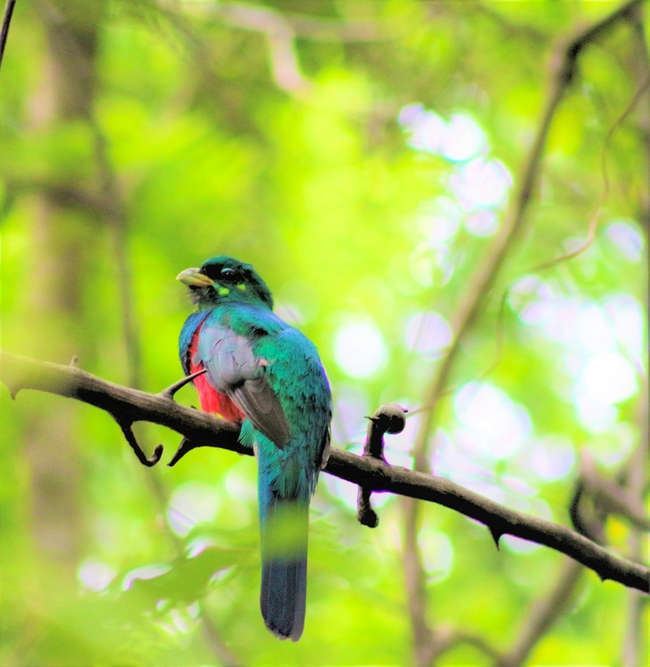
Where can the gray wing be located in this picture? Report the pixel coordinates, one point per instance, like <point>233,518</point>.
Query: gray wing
<point>234,370</point>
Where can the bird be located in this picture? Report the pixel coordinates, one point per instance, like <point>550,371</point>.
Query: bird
<point>266,375</point>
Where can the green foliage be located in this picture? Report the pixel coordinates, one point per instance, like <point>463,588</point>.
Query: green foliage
<point>364,234</point>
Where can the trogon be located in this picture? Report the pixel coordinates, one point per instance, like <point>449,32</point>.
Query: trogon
<point>266,375</point>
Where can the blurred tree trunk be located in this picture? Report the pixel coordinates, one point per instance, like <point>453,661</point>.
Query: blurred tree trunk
<point>56,281</point>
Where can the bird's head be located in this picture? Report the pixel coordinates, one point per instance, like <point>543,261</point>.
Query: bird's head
<point>224,279</point>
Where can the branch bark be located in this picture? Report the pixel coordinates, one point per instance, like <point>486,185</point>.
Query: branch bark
<point>6,22</point>
<point>199,427</point>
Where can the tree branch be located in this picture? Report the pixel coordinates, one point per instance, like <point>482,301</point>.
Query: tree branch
<point>6,22</point>
<point>131,405</point>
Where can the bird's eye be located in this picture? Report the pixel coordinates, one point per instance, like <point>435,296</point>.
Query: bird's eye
<point>228,275</point>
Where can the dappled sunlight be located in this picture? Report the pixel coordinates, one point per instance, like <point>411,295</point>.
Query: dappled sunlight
<point>150,571</point>
<point>384,166</point>
<point>351,406</point>
<point>483,222</point>
<point>477,182</point>
<point>551,458</point>
<point>492,424</point>
<point>481,184</point>
<point>437,554</point>
<point>625,236</point>
<point>438,219</point>
<point>360,350</point>
<point>427,334</point>
<point>95,574</point>
<point>603,345</point>
<point>458,139</point>
<point>191,504</point>
<point>607,377</point>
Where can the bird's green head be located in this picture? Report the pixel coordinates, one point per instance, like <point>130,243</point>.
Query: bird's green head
<point>224,279</point>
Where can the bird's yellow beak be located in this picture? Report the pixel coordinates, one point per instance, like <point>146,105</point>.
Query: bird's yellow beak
<point>194,278</point>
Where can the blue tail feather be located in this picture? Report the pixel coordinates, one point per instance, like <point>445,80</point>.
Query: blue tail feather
<point>284,567</point>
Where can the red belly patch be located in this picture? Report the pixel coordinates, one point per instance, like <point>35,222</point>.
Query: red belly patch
<point>211,400</point>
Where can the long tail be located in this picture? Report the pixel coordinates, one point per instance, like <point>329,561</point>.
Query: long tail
<point>284,525</point>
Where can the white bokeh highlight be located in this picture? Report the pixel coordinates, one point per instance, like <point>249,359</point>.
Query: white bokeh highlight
<point>360,350</point>
<point>192,503</point>
<point>491,422</point>
<point>457,140</point>
<point>481,183</point>
<point>427,334</point>
<point>627,239</point>
<point>145,572</point>
<point>95,574</point>
<point>437,553</point>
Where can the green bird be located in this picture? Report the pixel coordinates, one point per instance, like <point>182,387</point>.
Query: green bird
<point>266,375</point>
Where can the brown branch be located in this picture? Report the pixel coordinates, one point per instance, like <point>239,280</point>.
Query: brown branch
<point>6,22</point>
<point>132,405</point>
<point>446,638</point>
<point>281,30</point>
<point>613,499</point>
<point>260,19</point>
<point>280,37</point>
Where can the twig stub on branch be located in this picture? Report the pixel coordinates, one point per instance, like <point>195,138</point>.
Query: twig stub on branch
<point>390,418</point>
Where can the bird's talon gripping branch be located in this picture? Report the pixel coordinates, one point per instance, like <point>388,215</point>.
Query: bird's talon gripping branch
<point>390,418</point>
<point>171,390</point>
<point>130,438</point>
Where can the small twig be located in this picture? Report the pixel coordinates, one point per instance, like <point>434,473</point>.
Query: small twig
<point>6,22</point>
<point>445,638</point>
<point>584,518</point>
<point>390,418</point>
<point>613,499</point>
<point>170,392</point>
<point>130,438</point>
<point>188,445</point>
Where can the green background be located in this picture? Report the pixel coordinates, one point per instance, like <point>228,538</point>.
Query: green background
<point>139,139</point>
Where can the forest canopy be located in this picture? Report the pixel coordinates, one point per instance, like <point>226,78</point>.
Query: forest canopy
<point>450,199</point>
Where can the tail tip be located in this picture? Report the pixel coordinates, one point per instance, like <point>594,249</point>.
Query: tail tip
<point>294,633</point>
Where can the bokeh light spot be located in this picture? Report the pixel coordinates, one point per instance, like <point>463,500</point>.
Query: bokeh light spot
<point>427,334</point>
<point>437,553</point>
<point>491,421</point>
<point>608,378</point>
<point>482,223</point>
<point>626,238</point>
<point>359,349</point>
<point>145,572</point>
<point>192,503</point>
<point>552,458</point>
<point>481,183</point>
<point>95,575</point>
